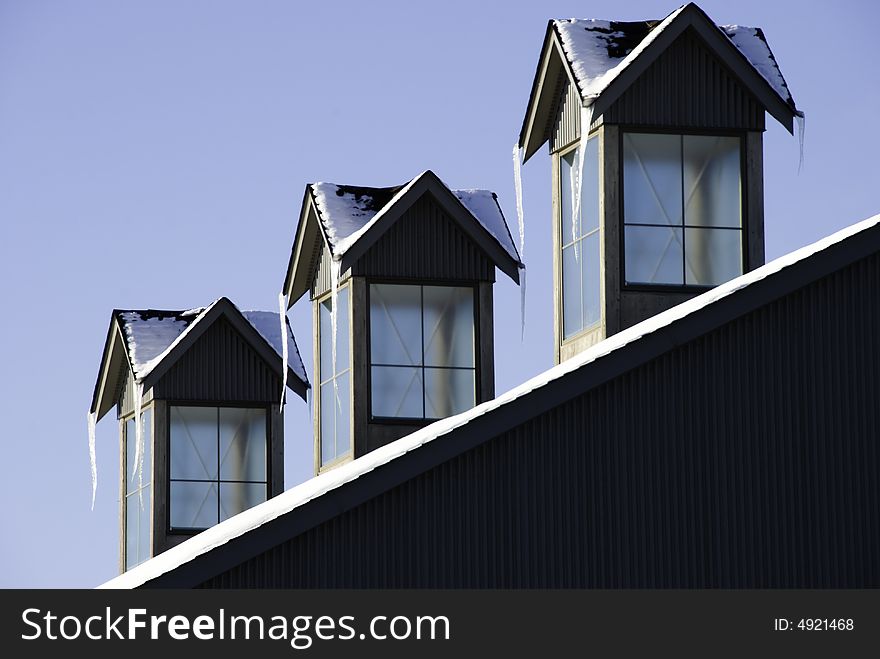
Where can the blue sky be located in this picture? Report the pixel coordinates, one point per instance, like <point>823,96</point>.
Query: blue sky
<point>154,154</point>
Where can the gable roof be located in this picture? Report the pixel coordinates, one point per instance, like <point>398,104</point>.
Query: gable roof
<point>325,496</point>
<point>149,341</point>
<point>603,58</point>
<point>349,219</point>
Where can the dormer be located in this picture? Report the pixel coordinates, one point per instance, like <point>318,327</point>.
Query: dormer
<point>655,137</point>
<point>411,270</point>
<point>201,431</point>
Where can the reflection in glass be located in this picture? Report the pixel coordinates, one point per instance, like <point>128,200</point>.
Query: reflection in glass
<point>416,333</point>
<point>448,391</point>
<point>652,178</point>
<point>653,255</point>
<point>193,505</point>
<point>238,497</point>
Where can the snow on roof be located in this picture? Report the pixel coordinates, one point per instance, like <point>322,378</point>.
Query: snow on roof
<point>319,485</point>
<point>268,326</point>
<point>150,334</point>
<point>346,212</point>
<point>598,50</point>
<point>483,205</point>
<point>751,42</point>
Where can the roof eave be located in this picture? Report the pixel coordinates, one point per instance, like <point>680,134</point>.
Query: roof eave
<point>308,232</point>
<point>223,307</point>
<point>114,350</point>
<point>429,181</point>
<point>722,47</point>
<point>551,63</point>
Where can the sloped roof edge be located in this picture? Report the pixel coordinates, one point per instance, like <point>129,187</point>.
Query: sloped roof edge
<point>604,85</point>
<point>312,490</point>
<point>149,372</point>
<point>348,238</point>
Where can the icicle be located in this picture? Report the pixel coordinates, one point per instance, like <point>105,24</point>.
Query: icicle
<point>93,420</point>
<point>517,182</point>
<point>139,438</point>
<point>586,120</point>
<point>801,122</point>
<point>282,313</point>
<point>522,304</point>
<point>334,300</point>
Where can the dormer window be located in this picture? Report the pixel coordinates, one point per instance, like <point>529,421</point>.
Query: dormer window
<point>138,491</point>
<point>682,209</point>
<point>581,284</point>
<point>422,361</point>
<point>335,380</point>
<point>218,464</point>
<point>414,266</point>
<point>207,383</point>
<point>670,116</point>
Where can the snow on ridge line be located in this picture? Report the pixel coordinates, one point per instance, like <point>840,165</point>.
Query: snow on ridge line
<point>585,43</point>
<point>301,494</point>
<point>150,340</point>
<point>346,218</point>
<point>483,205</point>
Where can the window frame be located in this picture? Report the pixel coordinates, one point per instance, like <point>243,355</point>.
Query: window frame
<point>320,380</point>
<point>562,244</point>
<point>477,369</point>
<point>189,531</point>
<point>148,483</point>
<point>744,186</point>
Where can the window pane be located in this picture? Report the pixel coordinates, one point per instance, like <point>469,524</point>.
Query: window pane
<point>193,505</point>
<point>397,391</point>
<point>591,286</point>
<point>343,415</point>
<point>712,181</point>
<point>342,334</point>
<point>449,326</point>
<point>652,179</point>
<point>328,423</point>
<point>566,205</point>
<point>238,497</point>
<point>590,193</point>
<point>395,324</point>
<point>132,516</point>
<point>714,256</point>
<point>653,255</point>
<point>194,442</point>
<point>588,219</point>
<point>144,510</point>
<point>448,391</point>
<point>131,479</point>
<point>130,450</point>
<point>572,300</point>
<point>147,430</point>
<point>242,444</point>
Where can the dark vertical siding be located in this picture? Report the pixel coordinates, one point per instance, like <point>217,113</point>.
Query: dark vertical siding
<point>566,127</point>
<point>425,243</point>
<point>747,458</point>
<point>220,366</point>
<point>125,398</point>
<point>687,87</point>
<point>323,282</point>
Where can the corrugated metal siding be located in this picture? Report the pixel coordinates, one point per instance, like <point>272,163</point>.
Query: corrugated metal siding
<point>687,87</point>
<point>425,243</point>
<point>567,125</point>
<point>220,366</point>
<point>322,283</point>
<point>747,458</point>
<point>125,397</point>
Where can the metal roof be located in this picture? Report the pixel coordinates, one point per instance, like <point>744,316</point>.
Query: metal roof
<point>327,494</point>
